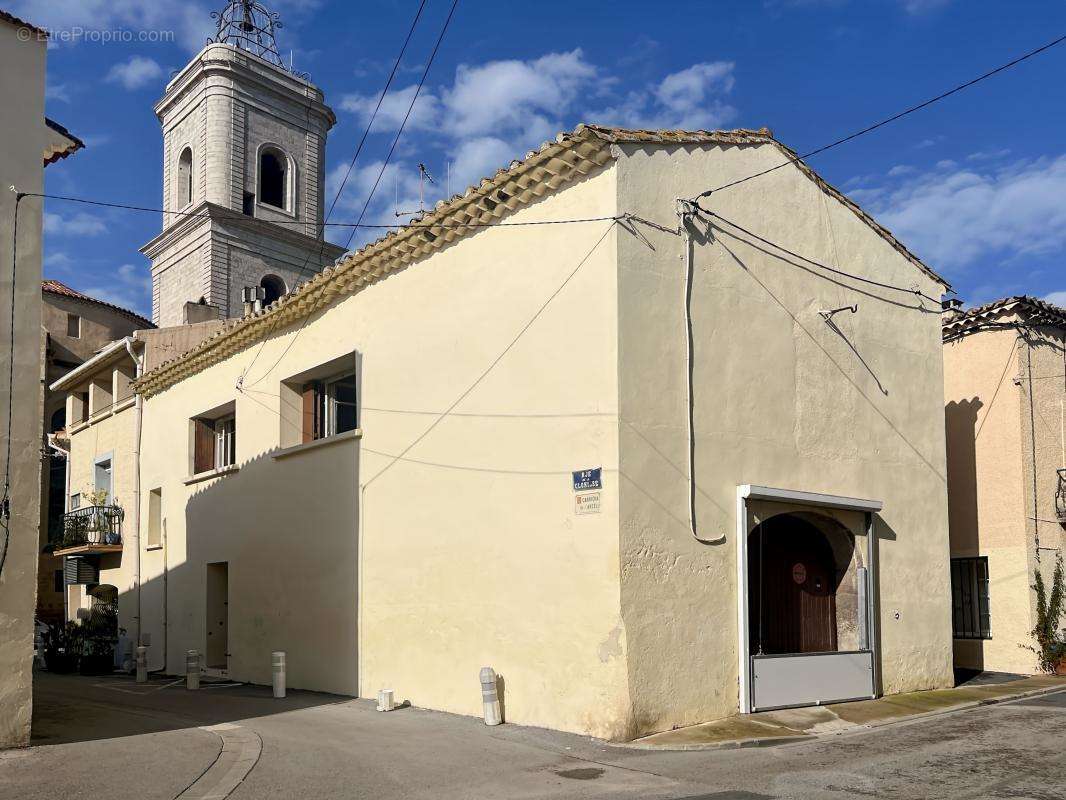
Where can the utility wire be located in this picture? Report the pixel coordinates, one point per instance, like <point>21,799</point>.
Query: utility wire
<point>403,124</point>
<point>366,205</point>
<point>887,120</point>
<point>914,291</point>
<point>381,98</point>
<point>366,225</point>
<point>5,497</point>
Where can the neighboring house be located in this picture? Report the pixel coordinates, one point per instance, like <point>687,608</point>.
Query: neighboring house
<point>75,327</point>
<point>101,490</point>
<point>1005,395</point>
<point>28,141</point>
<point>469,444</point>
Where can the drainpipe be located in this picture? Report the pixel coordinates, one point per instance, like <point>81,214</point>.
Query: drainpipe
<point>138,412</point>
<point>686,210</point>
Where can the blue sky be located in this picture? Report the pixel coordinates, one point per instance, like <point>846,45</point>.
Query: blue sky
<point>975,185</point>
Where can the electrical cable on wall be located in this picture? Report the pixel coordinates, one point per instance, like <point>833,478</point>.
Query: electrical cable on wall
<point>5,496</point>
<point>836,271</point>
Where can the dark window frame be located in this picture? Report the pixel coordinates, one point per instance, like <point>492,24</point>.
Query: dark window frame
<point>970,614</point>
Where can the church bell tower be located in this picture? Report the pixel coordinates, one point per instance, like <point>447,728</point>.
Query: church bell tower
<point>244,145</point>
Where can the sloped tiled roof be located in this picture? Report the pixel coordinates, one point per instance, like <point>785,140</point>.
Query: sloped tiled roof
<point>20,23</point>
<point>1031,310</point>
<point>569,157</point>
<point>58,288</point>
<point>72,143</point>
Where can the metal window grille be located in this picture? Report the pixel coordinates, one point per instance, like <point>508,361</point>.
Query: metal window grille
<point>969,598</point>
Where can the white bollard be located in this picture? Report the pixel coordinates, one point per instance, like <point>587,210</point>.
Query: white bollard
<point>277,662</point>
<point>192,670</point>
<point>142,665</point>
<point>386,700</point>
<point>490,697</point>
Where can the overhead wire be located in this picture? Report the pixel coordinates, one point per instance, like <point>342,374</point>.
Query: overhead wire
<point>366,205</point>
<point>359,225</point>
<point>351,164</point>
<point>834,270</point>
<point>888,120</point>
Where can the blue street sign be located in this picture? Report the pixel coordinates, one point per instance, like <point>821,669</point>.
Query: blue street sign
<point>587,479</point>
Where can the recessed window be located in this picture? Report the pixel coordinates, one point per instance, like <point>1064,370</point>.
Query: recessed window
<point>75,501</point>
<point>73,326</point>
<point>273,288</point>
<point>329,407</point>
<point>970,617</point>
<point>273,178</point>
<point>184,178</point>
<point>214,439</point>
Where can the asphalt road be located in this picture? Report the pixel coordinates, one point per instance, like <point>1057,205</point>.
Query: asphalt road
<point>107,737</point>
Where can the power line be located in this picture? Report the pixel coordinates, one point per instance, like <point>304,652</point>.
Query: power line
<point>403,124</point>
<point>370,196</point>
<point>913,291</point>
<point>367,225</point>
<point>888,120</point>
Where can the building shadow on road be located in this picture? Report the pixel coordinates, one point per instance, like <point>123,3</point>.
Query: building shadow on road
<point>76,708</point>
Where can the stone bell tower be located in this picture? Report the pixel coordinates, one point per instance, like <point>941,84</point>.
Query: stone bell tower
<point>244,145</point>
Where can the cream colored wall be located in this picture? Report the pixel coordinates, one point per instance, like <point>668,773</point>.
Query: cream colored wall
<point>987,490</point>
<point>780,400</point>
<point>22,73</point>
<point>469,552</point>
<point>111,434</point>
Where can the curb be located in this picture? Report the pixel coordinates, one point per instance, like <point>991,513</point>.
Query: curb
<point>771,741</point>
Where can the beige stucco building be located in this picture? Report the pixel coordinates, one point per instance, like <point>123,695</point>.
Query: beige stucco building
<point>1005,391</point>
<point>75,327</point>
<point>28,141</point>
<point>643,462</point>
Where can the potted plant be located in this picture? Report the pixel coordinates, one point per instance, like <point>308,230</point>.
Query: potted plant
<point>100,633</point>
<point>62,647</point>
<point>1050,641</point>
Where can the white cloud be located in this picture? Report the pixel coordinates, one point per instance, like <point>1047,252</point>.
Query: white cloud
<point>129,286</point>
<point>424,114</point>
<point>497,111</point>
<point>923,6</point>
<point>1057,298</point>
<point>189,22</point>
<point>514,95</point>
<point>138,71</point>
<point>58,260</point>
<point>954,215</point>
<point>57,92</point>
<point>900,169</point>
<point>80,224</point>
<point>692,98</point>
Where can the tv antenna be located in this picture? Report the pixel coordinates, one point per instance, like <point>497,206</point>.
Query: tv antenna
<point>423,176</point>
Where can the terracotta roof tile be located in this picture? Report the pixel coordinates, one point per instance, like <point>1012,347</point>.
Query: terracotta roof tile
<point>570,156</point>
<point>1032,310</point>
<point>58,288</point>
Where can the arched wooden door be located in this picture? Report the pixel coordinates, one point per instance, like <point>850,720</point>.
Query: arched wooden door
<point>792,582</point>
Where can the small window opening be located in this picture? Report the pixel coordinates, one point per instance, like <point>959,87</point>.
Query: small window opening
<point>185,178</point>
<point>329,407</point>
<point>272,178</point>
<point>273,288</point>
<point>73,326</point>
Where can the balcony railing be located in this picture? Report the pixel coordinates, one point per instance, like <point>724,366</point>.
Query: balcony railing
<point>1060,497</point>
<point>93,529</point>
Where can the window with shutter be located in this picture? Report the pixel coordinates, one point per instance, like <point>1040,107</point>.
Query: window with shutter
<point>203,445</point>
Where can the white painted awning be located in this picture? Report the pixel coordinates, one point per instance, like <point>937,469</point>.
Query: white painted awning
<point>750,492</point>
